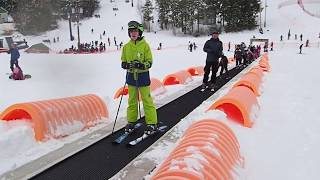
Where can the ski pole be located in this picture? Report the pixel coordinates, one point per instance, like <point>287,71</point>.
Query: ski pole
<point>137,89</point>
<point>124,86</point>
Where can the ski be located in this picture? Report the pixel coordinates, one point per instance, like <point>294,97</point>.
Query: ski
<point>145,136</point>
<point>208,88</point>
<point>124,135</point>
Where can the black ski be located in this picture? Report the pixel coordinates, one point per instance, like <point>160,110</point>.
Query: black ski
<point>145,136</point>
<point>124,135</point>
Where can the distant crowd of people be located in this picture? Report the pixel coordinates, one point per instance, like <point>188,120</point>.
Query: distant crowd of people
<point>91,47</point>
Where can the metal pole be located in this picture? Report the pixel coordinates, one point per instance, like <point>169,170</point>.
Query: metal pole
<point>78,19</point>
<point>260,14</point>
<point>78,34</point>
<point>69,17</point>
<point>71,37</point>
<point>131,3</point>
<point>265,13</point>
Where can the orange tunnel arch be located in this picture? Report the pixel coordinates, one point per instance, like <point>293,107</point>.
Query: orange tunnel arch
<point>216,163</point>
<point>250,81</point>
<point>238,105</point>
<point>48,115</point>
<point>156,84</point>
<point>196,71</point>
<point>257,70</point>
<point>179,77</point>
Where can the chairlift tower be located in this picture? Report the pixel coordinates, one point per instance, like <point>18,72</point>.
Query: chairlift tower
<point>265,13</point>
<point>77,11</point>
<point>69,7</point>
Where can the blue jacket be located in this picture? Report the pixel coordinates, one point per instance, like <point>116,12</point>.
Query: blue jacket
<point>14,54</point>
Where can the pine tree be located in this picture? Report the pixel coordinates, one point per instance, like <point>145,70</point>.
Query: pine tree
<point>240,15</point>
<point>36,16</point>
<point>9,5</point>
<point>147,10</point>
<point>164,12</point>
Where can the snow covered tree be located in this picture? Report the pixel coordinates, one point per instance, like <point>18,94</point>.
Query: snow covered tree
<point>240,14</point>
<point>147,10</point>
<point>164,12</point>
<point>35,16</point>
<point>9,5</point>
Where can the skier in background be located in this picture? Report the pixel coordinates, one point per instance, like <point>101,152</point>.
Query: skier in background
<point>300,48</point>
<point>223,64</point>
<point>15,55</point>
<point>238,55</point>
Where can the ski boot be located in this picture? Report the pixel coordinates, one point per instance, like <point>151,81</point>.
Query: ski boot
<point>129,127</point>
<point>203,87</point>
<point>211,87</point>
<point>151,129</point>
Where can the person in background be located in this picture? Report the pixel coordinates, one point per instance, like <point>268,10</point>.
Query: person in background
<point>15,55</point>
<point>300,48</point>
<point>213,47</point>
<point>223,65</point>
<point>238,55</point>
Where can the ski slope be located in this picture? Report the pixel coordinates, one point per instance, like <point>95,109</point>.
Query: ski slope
<point>284,141</point>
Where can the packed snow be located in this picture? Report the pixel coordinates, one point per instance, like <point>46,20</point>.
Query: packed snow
<point>282,144</point>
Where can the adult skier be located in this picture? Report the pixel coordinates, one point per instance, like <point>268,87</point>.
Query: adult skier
<point>15,55</point>
<point>137,60</point>
<point>213,47</point>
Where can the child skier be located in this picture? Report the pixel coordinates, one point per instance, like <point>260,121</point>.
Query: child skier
<point>137,60</point>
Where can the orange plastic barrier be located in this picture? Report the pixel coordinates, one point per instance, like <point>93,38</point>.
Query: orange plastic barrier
<point>265,56</point>
<point>155,85</point>
<point>264,63</point>
<point>121,92</point>
<point>196,71</point>
<point>250,81</point>
<point>231,60</point>
<point>179,77</point>
<point>208,150</point>
<point>238,104</point>
<point>49,116</point>
<point>257,70</point>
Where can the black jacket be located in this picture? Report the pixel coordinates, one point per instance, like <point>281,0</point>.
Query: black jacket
<point>213,48</point>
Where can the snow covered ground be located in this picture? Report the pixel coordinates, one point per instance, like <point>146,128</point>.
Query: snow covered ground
<point>284,141</point>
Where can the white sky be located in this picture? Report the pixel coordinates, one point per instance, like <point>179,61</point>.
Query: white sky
<point>284,141</point>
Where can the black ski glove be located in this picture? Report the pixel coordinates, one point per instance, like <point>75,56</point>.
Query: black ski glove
<point>139,65</point>
<point>126,65</point>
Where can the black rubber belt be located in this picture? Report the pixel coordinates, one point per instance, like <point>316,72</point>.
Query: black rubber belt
<point>103,159</point>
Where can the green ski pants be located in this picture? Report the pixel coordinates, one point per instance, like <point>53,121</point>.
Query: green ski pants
<point>148,105</point>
